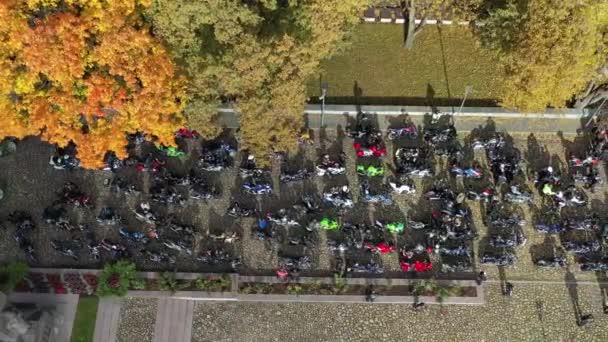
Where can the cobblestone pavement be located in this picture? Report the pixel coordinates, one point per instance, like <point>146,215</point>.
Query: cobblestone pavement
<point>137,319</point>
<point>534,313</point>
<point>31,185</point>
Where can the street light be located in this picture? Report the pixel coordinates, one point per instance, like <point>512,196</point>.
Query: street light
<point>324,87</point>
<point>467,90</point>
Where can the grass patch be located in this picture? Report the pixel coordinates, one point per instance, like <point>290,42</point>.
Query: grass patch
<point>84,324</point>
<point>444,61</point>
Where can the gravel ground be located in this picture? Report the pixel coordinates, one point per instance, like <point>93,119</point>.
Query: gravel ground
<point>534,313</point>
<point>31,185</point>
<point>137,319</point>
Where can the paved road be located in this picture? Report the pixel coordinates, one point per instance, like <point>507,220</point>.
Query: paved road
<point>568,122</point>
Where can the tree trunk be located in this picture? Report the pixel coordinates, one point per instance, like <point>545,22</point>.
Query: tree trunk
<point>412,28</point>
<point>593,95</point>
<point>410,12</point>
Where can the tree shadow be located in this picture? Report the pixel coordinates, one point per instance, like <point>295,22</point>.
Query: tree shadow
<point>572,287</point>
<point>444,62</point>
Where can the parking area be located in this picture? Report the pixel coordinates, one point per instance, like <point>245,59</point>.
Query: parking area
<point>31,185</point>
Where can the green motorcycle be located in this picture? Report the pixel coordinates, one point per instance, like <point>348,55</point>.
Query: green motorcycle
<point>325,224</point>
<point>171,151</point>
<point>370,171</point>
<point>395,227</point>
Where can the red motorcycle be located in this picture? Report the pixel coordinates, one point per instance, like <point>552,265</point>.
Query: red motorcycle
<point>372,151</point>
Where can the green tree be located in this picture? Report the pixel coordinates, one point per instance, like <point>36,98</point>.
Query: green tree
<point>550,50</point>
<point>255,54</point>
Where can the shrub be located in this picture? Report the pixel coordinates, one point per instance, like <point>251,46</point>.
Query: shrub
<point>11,274</point>
<point>221,283</point>
<point>168,282</point>
<point>116,279</point>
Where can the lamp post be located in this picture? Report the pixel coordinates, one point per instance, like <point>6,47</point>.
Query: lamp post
<point>467,90</point>
<point>324,87</point>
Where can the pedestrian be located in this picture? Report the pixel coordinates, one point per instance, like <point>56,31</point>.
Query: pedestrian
<point>419,306</point>
<point>481,277</point>
<point>508,289</point>
<point>585,319</point>
<point>370,294</point>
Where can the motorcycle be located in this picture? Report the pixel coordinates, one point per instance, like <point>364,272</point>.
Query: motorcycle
<point>467,172</point>
<point>116,250</point>
<point>65,249</point>
<point>143,214</point>
<point>582,247</point>
<point>365,268</point>
<point>380,248</point>
<point>161,257</point>
<point>235,210</point>
<point>298,176</point>
<point>331,167</point>
<point>553,228</point>
<point>409,131</point>
<point>484,195</point>
<point>282,219</point>
<point>338,197</point>
<point>252,173</point>
<point>455,267</point>
<point>370,171</point>
<point>225,238</point>
<point>64,162</point>
<point>495,143</point>
<point>370,151</point>
<point>516,196</point>
<point>435,136</point>
<point>307,205</point>
<point>257,188</point>
<point>516,240</point>
<point>461,250</point>
<point>203,192</point>
<point>587,224</point>
<point>112,163</point>
<point>588,161</point>
<point>421,173</point>
<point>325,224</point>
<point>403,186</point>
<point>121,185</point>
<point>178,245</point>
<point>570,198</point>
<point>507,259</point>
<point>107,216</point>
<point>72,195</point>
<point>133,236</point>
<point>384,199</point>
<point>393,227</point>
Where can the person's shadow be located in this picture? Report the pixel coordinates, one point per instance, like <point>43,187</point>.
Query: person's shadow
<point>358,93</point>
<point>571,285</point>
<point>502,276</point>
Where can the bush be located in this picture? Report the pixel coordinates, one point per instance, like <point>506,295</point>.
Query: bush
<point>11,274</point>
<point>168,282</point>
<point>213,284</point>
<point>138,284</point>
<point>116,279</point>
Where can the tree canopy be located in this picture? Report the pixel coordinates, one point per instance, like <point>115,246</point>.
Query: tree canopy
<point>87,72</point>
<point>258,54</point>
<point>549,49</point>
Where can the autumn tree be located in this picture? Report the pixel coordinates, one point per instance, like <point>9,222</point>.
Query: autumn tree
<point>549,50</point>
<point>256,54</point>
<point>87,72</point>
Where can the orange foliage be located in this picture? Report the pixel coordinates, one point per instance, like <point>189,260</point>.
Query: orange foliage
<point>95,65</point>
